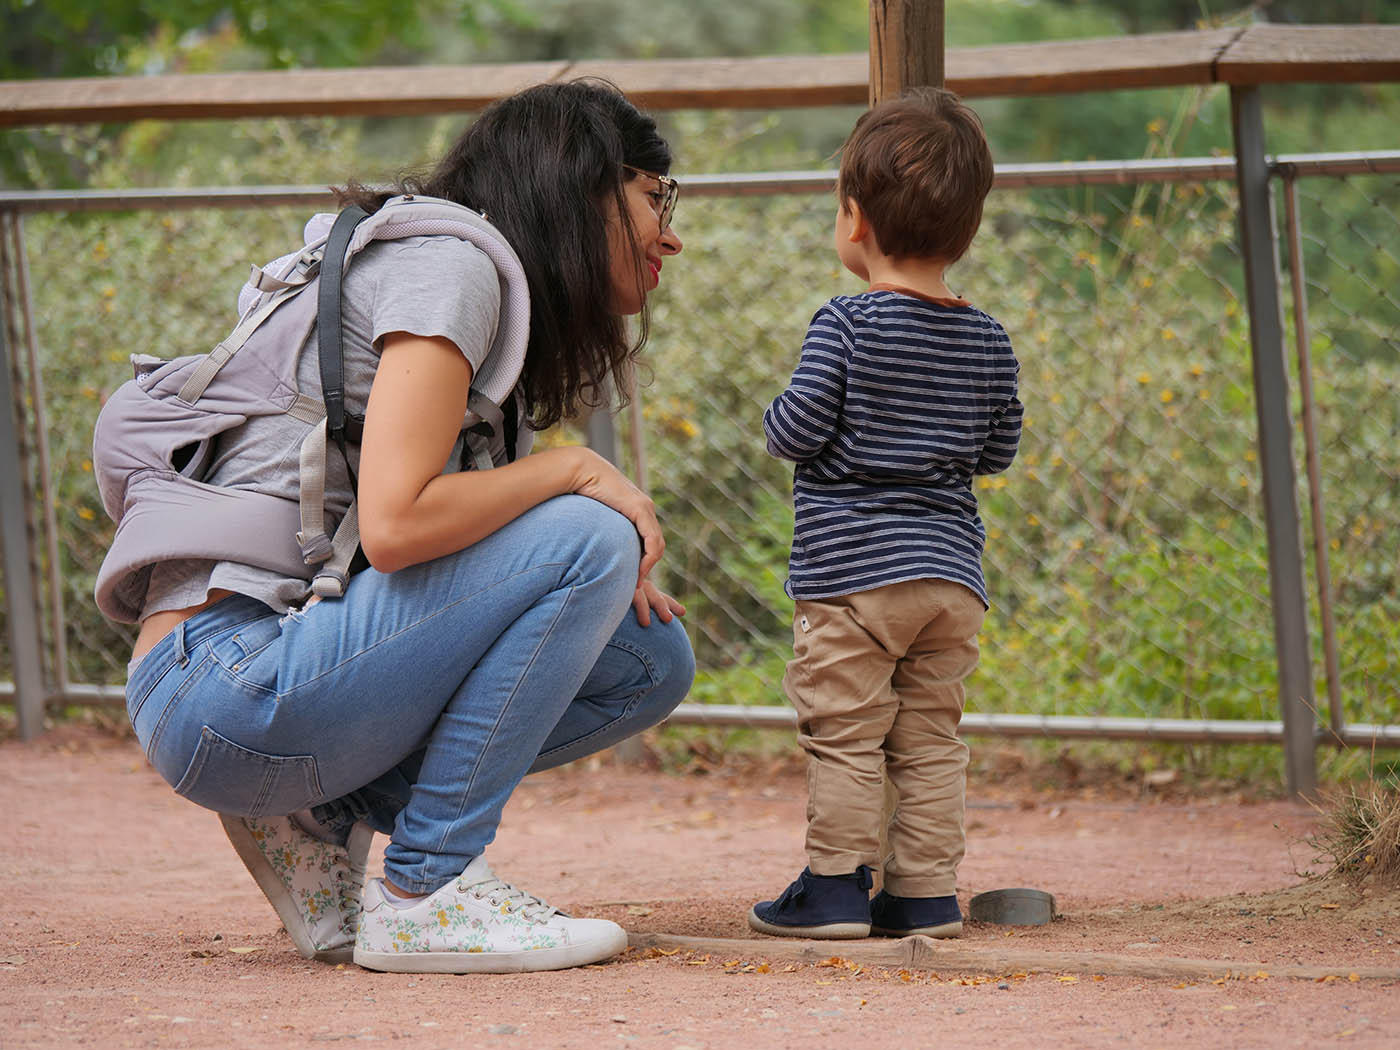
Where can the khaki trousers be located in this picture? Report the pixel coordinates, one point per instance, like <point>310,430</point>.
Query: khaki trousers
<point>877,681</point>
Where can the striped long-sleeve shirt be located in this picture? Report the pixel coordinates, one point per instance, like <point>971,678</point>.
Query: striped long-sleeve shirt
<point>896,403</point>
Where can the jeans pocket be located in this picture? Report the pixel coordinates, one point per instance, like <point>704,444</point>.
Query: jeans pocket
<point>240,650</point>
<point>228,778</point>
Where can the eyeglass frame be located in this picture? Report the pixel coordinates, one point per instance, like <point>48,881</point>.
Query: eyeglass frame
<point>672,189</point>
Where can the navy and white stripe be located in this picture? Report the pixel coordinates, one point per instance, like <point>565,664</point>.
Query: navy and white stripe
<point>896,404</point>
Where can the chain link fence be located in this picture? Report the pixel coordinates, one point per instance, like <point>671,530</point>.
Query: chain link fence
<point>1126,557</point>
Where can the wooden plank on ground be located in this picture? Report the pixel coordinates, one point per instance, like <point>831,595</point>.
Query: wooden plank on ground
<point>1275,54</point>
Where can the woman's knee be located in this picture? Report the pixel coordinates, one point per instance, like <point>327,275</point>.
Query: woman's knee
<point>675,662</point>
<point>663,664</point>
<point>603,540</point>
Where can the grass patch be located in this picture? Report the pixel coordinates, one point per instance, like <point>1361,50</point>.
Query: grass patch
<point>1360,835</point>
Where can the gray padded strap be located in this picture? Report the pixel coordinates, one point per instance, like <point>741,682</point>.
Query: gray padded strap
<point>307,409</point>
<point>304,269</point>
<point>488,416</point>
<point>315,544</point>
<point>480,448</point>
<point>334,575</point>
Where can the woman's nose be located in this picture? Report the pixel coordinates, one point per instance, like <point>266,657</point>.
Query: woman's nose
<point>670,242</point>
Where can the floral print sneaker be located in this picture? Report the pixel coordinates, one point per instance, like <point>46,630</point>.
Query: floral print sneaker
<point>477,924</point>
<point>314,886</point>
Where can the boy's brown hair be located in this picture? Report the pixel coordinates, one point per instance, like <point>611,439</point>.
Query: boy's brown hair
<point>920,168</point>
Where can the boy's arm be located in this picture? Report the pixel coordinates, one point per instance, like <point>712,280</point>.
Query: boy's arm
<point>802,419</point>
<point>1004,436</point>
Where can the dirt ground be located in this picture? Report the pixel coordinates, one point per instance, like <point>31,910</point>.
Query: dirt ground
<point>1184,922</point>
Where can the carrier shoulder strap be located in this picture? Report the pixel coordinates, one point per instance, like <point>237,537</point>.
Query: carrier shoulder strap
<point>328,329</point>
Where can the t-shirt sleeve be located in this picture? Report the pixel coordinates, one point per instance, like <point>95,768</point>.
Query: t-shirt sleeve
<point>437,286</point>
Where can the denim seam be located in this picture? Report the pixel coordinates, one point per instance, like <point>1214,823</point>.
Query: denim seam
<point>439,611</point>
<point>626,711</point>
<point>146,694</point>
<point>491,736</point>
<point>644,659</point>
<point>191,676</point>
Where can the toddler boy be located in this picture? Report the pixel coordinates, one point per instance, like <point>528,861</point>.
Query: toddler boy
<point>902,395</point>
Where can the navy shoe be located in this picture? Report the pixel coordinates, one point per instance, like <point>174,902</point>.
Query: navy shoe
<point>826,907</point>
<point>892,916</point>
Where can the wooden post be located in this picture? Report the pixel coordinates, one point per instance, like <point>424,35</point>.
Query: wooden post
<point>906,46</point>
<point>906,50</point>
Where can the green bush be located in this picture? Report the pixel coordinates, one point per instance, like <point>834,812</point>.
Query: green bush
<point>1126,559</point>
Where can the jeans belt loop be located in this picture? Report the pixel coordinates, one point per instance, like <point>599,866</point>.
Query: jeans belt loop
<point>181,653</point>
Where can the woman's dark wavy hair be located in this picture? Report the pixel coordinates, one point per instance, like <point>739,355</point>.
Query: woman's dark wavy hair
<point>543,165</point>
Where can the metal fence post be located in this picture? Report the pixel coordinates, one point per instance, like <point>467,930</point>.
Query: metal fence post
<point>601,434</point>
<point>1259,248</point>
<point>21,597</point>
<point>601,430</point>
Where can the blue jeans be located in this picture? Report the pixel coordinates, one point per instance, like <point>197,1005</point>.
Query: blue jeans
<point>419,700</point>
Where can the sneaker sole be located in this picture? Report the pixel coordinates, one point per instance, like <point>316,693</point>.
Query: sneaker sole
<point>830,931</point>
<point>943,932</point>
<point>272,887</point>
<point>561,958</point>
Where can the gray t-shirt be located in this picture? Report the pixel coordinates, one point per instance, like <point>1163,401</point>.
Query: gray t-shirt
<point>429,286</point>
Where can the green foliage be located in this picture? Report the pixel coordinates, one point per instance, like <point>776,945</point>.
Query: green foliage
<point>1126,557</point>
<point>548,30</point>
<point>87,37</point>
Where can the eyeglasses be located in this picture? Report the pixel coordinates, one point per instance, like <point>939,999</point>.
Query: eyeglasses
<point>664,200</point>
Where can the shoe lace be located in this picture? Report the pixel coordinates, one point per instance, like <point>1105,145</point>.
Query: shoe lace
<point>350,886</point>
<point>498,892</point>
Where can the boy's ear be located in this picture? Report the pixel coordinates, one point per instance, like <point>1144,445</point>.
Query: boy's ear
<point>860,225</point>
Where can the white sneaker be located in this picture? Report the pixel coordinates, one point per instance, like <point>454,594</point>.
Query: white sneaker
<point>478,924</point>
<point>314,886</point>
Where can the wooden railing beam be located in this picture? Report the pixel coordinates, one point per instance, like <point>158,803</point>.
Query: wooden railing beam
<point>1241,57</point>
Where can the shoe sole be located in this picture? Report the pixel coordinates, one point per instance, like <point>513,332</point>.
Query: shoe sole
<point>942,932</point>
<point>272,887</point>
<point>561,958</point>
<point>830,931</point>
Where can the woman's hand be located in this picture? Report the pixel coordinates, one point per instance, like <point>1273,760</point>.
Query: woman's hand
<point>648,597</point>
<point>598,479</point>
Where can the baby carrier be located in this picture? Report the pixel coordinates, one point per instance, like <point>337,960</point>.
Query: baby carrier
<point>155,438</point>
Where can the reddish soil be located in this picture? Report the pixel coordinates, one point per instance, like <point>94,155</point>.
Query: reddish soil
<point>131,923</point>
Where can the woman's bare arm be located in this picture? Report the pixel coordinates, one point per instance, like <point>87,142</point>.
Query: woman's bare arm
<point>410,512</point>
